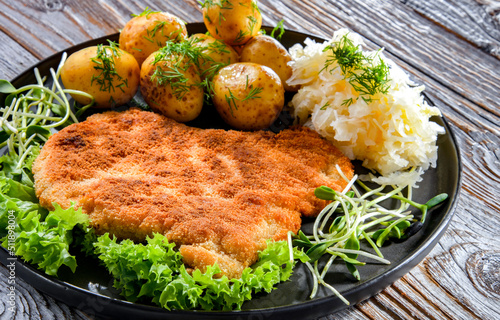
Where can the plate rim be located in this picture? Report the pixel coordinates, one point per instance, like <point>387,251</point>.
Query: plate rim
<point>292,310</point>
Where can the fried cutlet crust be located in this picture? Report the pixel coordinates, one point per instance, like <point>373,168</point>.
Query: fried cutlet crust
<point>217,194</point>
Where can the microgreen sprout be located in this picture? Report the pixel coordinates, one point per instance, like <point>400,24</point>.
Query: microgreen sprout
<point>31,111</point>
<point>351,217</point>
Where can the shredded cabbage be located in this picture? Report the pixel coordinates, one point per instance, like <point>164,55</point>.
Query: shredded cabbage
<point>389,132</point>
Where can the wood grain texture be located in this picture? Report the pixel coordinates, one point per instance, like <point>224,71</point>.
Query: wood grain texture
<point>453,47</point>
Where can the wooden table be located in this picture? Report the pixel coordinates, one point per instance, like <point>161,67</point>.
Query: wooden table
<point>453,47</point>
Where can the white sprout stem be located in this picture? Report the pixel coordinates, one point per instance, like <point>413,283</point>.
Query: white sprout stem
<point>290,247</point>
<point>78,92</point>
<point>341,173</point>
<point>374,246</point>
<point>372,192</point>
<point>331,209</point>
<point>361,253</point>
<point>386,196</point>
<point>59,67</point>
<point>374,222</point>
<point>66,102</point>
<point>315,280</point>
<point>20,144</point>
<point>10,145</point>
<point>13,106</point>
<point>23,156</point>
<point>341,297</point>
<point>41,137</point>
<point>8,126</point>
<point>327,266</point>
<point>36,116</point>
<point>349,183</point>
<point>318,219</point>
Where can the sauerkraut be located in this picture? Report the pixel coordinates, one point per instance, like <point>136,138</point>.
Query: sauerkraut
<point>391,132</point>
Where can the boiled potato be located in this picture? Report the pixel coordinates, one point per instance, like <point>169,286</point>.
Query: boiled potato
<point>170,85</point>
<point>268,51</point>
<point>235,21</point>
<point>148,32</point>
<point>107,73</point>
<point>248,96</point>
<point>215,52</point>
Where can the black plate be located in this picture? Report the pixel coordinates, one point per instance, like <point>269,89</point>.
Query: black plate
<point>90,288</point>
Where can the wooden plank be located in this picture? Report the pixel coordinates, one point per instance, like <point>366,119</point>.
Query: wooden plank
<point>30,304</point>
<point>450,46</point>
<point>19,58</point>
<point>478,22</point>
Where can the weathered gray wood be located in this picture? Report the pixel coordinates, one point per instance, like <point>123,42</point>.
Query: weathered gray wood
<point>453,47</point>
<point>476,21</point>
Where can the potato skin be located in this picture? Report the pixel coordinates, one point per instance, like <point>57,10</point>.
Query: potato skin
<point>235,21</point>
<point>79,73</point>
<point>239,79</point>
<point>161,96</point>
<point>145,34</point>
<point>216,50</point>
<point>268,51</point>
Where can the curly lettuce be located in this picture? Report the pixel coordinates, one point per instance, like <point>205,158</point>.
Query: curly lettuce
<point>29,231</point>
<point>156,271</point>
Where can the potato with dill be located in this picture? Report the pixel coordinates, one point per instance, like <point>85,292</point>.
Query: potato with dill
<point>214,55</point>
<point>149,31</point>
<point>233,21</point>
<point>266,50</point>
<point>248,96</point>
<point>170,83</point>
<point>106,72</point>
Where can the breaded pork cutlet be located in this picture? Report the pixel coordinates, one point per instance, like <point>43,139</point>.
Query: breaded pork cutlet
<point>217,194</point>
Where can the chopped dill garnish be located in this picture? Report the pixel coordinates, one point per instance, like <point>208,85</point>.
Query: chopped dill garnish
<point>223,4</point>
<point>174,76</point>
<point>347,102</point>
<point>363,72</point>
<point>348,56</point>
<point>152,33</point>
<point>255,7</point>
<point>279,27</point>
<point>182,55</point>
<point>372,80</point>
<point>146,13</point>
<point>218,46</point>
<point>253,93</point>
<point>240,36</point>
<point>105,63</point>
<point>252,22</point>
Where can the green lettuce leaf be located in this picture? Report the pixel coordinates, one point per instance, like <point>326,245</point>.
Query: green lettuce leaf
<point>155,270</point>
<point>44,242</point>
<point>17,170</point>
<point>28,230</point>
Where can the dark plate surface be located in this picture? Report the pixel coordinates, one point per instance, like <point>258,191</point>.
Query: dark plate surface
<point>90,288</point>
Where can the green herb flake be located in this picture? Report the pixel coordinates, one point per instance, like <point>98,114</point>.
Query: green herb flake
<point>105,63</point>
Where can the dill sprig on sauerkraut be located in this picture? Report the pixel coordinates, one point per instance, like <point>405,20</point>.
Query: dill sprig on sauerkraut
<point>366,105</point>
